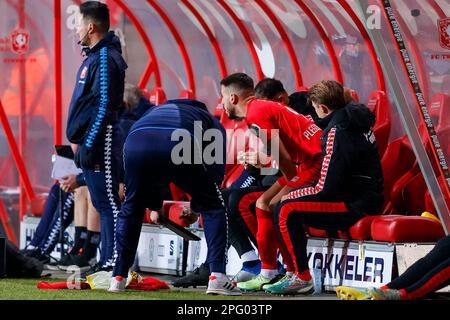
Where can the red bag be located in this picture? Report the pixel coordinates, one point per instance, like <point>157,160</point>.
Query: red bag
<point>148,284</point>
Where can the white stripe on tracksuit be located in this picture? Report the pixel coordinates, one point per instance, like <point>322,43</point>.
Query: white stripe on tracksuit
<point>57,225</point>
<point>109,189</point>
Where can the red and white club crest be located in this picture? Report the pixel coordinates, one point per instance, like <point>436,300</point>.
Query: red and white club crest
<point>444,32</point>
<point>83,73</point>
<point>19,41</point>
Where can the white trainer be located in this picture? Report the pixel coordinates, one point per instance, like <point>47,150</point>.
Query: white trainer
<point>117,284</point>
<point>222,286</point>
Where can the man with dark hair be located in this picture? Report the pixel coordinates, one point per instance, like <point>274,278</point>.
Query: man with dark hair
<point>271,89</point>
<point>297,139</point>
<point>350,184</point>
<point>93,119</point>
<point>299,102</point>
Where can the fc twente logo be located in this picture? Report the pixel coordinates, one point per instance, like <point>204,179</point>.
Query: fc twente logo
<point>19,41</point>
<point>444,32</point>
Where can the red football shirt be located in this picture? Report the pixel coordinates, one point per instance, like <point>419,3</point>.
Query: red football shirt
<point>300,135</point>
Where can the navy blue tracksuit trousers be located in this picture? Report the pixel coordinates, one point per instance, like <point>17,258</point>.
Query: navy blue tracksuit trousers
<point>149,167</point>
<point>46,235</point>
<point>103,185</point>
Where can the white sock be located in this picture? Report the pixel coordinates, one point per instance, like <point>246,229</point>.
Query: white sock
<point>290,273</point>
<point>249,256</point>
<point>218,274</point>
<point>269,273</point>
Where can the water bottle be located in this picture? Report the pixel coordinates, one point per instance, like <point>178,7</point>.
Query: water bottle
<point>317,278</point>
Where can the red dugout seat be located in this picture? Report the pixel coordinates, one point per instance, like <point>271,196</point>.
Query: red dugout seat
<point>173,214</point>
<point>393,169</point>
<point>37,205</point>
<point>398,228</point>
<point>409,193</point>
<point>379,105</point>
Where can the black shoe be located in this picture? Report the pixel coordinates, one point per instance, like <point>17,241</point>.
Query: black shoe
<point>28,252</point>
<point>45,258</point>
<point>199,277</point>
<point>80,261</point>
<point>54,266</point>
<point>64,260</point>
<point>96,268</point>
<point>34,253</point>
<point>40,256</point>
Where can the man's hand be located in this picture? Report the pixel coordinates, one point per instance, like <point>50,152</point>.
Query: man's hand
<point>69,183</point>
<point>189,215</point>
<point>158,217</point>
<point>253,158</point>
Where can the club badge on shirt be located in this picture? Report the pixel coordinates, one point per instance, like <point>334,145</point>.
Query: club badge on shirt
<point>83,72</point>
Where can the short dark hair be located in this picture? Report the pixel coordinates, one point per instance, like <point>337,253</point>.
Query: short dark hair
<point>97,12</point>
<point>299,101</point>
<point>268,88</point>
<point>240,81</point>
<point>329,93</point>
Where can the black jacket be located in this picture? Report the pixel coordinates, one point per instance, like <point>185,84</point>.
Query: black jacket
<point>351,170</point>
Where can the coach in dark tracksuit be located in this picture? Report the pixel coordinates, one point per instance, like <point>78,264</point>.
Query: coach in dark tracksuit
<point>351,180</point>
<point>93,119</point>
<point>149,165</point>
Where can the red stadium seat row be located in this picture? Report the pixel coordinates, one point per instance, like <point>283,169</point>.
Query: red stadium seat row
<point>406,188</point>
<point>390,228</point>
<point>406,193</point>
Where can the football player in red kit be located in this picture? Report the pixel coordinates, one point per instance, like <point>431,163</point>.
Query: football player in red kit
<point>297,139</point>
